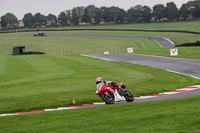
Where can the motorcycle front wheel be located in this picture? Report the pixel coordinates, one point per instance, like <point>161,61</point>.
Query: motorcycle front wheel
<point>110,99</point>
<point>128,96</point>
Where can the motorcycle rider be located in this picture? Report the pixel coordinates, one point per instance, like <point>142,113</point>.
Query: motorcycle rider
<point>100,83</point>
<point>111,92</point>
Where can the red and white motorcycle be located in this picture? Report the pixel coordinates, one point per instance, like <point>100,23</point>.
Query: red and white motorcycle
<point>112,94</point>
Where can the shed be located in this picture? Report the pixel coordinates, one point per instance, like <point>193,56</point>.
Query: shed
<point>18,50</point>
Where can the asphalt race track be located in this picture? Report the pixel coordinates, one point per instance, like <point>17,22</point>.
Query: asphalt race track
<point>184,66</point>
<point>163,42</point>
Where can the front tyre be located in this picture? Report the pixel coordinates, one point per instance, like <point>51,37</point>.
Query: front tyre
<point>128,96</point>
<point>108,99</point>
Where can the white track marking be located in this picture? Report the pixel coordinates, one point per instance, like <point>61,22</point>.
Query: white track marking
<point>99,103</point>
<point>95,57</point>
<point>183,74</point>
<point>8,114</point>
<point>169,41</point>
<point>170,93</point>
<point>144,97</point>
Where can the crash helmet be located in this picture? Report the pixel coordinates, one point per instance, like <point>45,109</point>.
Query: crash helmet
<point>99,80</point>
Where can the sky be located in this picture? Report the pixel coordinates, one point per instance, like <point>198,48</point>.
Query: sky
<point>20,7</point>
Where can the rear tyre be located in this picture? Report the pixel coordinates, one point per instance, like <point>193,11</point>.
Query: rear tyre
<point>128,96</point>
<point>108,99</point>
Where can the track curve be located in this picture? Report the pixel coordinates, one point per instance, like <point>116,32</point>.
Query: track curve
<point>163,42</point>
<point>184,66</point>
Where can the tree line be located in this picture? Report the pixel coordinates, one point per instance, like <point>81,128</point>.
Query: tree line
<point>114,15</point>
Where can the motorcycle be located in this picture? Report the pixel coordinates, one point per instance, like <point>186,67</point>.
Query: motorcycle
<point>111,94</point>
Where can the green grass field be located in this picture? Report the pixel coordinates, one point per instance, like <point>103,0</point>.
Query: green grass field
<point>36,82</point>
<point>168,116</point>
<point>55,45</point>
<point>183,26</point>
<point>78,45</point>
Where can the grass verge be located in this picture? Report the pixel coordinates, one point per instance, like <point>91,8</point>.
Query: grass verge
<point>177,115</point>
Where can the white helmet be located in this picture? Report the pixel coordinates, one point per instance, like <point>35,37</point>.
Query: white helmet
<point>99,80</point>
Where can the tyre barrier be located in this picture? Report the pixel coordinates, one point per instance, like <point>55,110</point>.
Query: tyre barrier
<point>197,43</point>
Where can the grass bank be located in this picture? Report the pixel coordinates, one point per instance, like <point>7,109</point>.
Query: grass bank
<point>177,115</point>
<point>36,82</point>
<point>62,45</point>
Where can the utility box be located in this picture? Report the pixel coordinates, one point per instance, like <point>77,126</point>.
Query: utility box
<point>18,50</point>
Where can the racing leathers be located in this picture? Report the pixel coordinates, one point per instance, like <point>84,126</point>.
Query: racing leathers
<point>109,84</point>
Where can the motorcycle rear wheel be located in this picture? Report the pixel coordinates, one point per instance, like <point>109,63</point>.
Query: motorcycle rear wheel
<point>128,96</point>
<point>110,99</point>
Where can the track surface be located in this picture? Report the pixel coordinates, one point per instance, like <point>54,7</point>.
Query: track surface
<point>163,42</point>
<point>185,66</point>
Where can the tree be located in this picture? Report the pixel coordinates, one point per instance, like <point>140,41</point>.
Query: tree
<point>131,15</point>
<point>9,20</point>
<point>191,7</point>
<point>135,13</point>
<point>107,15</point>
<point>52,20</point>
<point>110,14</point>
<point>39,19</point>
<point>98,15</point>
<point>28,20</point>
<point>146,14</point>
<point>114,13</point>
<point>69,16</point>
<point>196,10</point>
<point>138,13</point>
<point>62,19</point>
<point>91,11</point>
<point>158,12</point>
<point>171,11</point>
<point>3,22</point>
<point>80,11</point>
<point>122,15</point>
<point>75,17</point>
<point>184,12</point>
<point>86,17</point>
